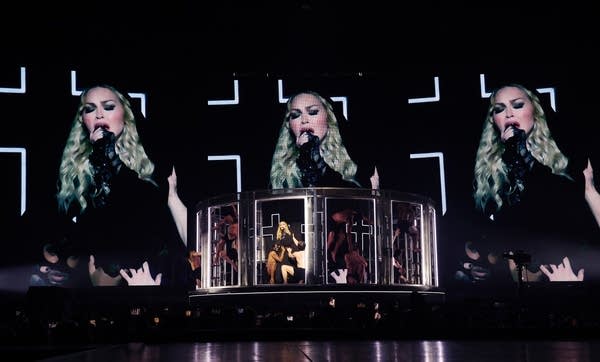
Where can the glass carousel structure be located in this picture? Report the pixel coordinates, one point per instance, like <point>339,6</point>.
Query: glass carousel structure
<point>312,245</point>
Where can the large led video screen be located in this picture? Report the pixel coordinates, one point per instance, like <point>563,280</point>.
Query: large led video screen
<point>504,152</point>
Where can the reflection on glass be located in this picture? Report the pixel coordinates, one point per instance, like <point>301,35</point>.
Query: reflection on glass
<point>351,254</point>
<point>224,245</point>
<point>406,241</point>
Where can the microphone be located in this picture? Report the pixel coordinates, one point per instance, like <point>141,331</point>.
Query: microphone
<point>312,140</point>
<point>310,162</point>
<point>515,147</point>
<point>105,139</point>
<point>519,162</point>
<point>104,148</point>
<point>309,151</point>
<point>518,135</point>
<point>105,163</point>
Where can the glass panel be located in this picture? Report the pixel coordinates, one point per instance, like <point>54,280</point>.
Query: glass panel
<point>281,250</point>
<point>351,250</point>
<point>224,245</point>
<point>406,243</point>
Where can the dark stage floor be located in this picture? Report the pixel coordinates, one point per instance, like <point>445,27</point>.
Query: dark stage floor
<point>561,323</point>
<point>347,350</point>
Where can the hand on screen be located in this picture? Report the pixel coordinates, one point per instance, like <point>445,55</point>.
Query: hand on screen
<point>375,180</point>
<point>588,175</point>
<point>588,172</point>
<point>99,278</point>
<point>592,197</point>
<point>142,276</point>
<point>339,275</point>
<point>172,179</point>
<point>562,273</point>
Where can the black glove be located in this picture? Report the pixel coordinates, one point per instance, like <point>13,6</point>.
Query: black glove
<point>519,162</point>
<point>105,162</point>
<point>311,164</point>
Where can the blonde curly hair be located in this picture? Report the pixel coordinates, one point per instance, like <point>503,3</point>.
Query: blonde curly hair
<point>75,180</point>
<point>491,173</point>
<point>284,170</point>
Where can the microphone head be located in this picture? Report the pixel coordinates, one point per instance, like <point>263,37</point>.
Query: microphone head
<point>107,137</point>
<point>311,137</point>
<point>518,136</point>
<point>311,143</point>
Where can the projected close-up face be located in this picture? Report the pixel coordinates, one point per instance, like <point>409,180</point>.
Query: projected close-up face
<point>307,116</point>
<point>512,108</point>
<point>103,110</point>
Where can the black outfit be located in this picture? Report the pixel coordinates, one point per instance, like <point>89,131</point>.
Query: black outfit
<point>286,260</point>
<point>549,203</point>
<point>310,162</point>
<point>122,228</point>
<point>316,173</point>
<point>127,229</point>
<point>548,220</point>
<point>231,251</point>
<point>331,178</point>
<point>126,222</point>
<point>519,162</point>
<point>287,241</point>
<point>192,276</point>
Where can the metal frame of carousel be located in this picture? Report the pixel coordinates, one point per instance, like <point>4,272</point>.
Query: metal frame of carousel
<point>352,246</point>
